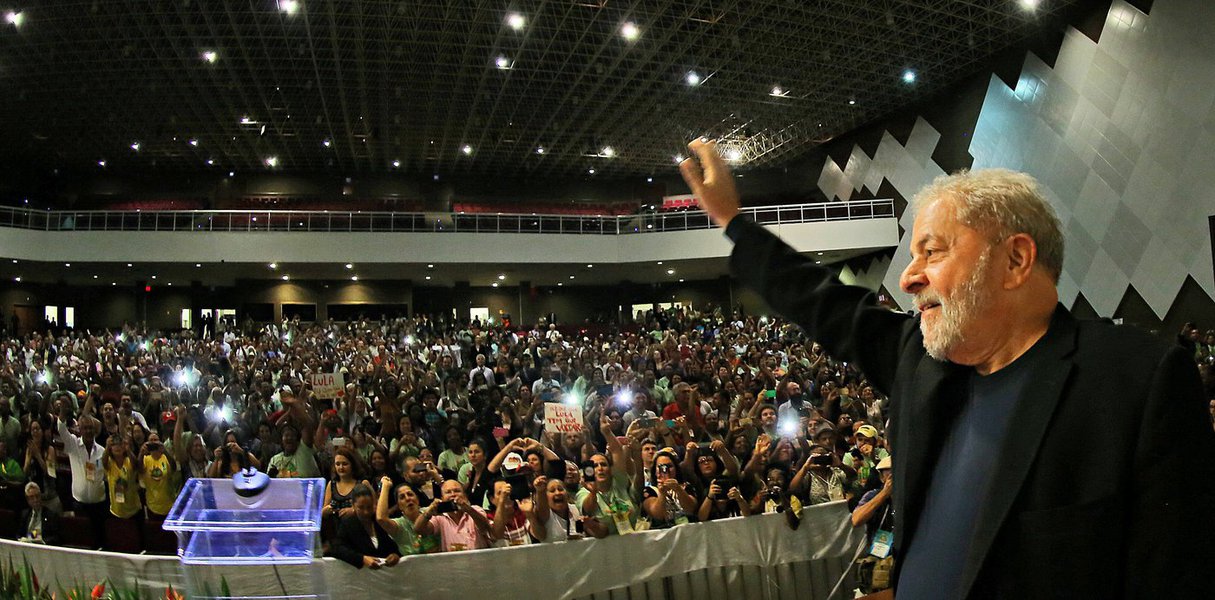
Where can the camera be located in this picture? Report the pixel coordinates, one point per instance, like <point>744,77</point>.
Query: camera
<point>821,460</point>
<point>445,506</point>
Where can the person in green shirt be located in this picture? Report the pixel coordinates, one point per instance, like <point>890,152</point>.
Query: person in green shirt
<point>609,496</point>
<point>401,528</point>
<point>10,469</point>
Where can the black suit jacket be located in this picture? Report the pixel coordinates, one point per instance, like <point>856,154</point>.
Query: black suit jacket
<point>1105,479</point>
<point>352,542</point>
<point>50,525</point>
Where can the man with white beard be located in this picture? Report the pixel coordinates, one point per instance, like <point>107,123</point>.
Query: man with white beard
<point>1034,455</point>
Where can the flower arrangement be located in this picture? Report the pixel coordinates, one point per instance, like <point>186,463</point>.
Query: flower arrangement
<point>21,583</point>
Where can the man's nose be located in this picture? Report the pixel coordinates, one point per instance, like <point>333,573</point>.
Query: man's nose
<point>913,279</point>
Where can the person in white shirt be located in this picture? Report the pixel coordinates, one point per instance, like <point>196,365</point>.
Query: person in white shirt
<point>555,519</point>
<point>88,474</point>
<point>483,370</point>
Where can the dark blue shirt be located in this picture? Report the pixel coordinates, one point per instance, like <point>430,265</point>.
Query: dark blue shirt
<point>962,482</point>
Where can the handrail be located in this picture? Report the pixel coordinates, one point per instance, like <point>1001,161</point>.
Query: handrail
<point>386,221</point>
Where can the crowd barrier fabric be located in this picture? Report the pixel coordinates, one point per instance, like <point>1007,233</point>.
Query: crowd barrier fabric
<point>752,558</point>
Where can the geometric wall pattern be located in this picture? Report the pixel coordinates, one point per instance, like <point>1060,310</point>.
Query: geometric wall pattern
<point>1121,135</point>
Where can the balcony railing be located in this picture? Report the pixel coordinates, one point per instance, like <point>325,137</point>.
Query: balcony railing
<point>392,222</point>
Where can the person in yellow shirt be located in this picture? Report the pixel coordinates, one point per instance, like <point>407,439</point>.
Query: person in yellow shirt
<point>121,478</point>
<point>159,475</point>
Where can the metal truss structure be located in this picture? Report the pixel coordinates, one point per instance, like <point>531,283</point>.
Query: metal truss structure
<point>550,88</point>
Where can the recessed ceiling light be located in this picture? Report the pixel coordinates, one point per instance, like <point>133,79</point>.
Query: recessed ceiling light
<point>660,262</point>
<point>629,31</point>
<point>680,281</point>
<point>396,164</point>
<point>571,276</point>
<point>430,266</point>
<point>466,150</point>
<point>590,266</point>
<point>210,161</point>
<point>153,277</point>
<point>494,284</point>
<point>95,276</point>
<point>820,253</point>
<point>273,265</point>
<point>516,21</point>
<point>670,271</point>
<point>692,78</point>
<point>501,277</point>
<point>354,278</point>
<point>113,283</point>
<point>540,150</point>
<point>559,284</point>
<point>591,171</point>
<point>210,56</point>
<point>349,265</point>
<point>17,279</point>
<point>428,278</point>
<point>286,278</point>
<point>851,102</point>
<point>908,76</point>
<point>170,284</point>
<point>197,265</point>
<point>818,262</point>
<point>67,264</point>
<point>231,173</point>
<point>128,264</point>
<point>649,180</point>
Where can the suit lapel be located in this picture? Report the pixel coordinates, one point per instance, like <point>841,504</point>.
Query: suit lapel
<point>1032,415</point>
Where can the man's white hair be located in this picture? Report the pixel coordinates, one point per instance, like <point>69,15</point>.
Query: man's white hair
<point>1001,203</point>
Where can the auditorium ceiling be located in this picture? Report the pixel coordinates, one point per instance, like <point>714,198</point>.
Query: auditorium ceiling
<point>528,88</point>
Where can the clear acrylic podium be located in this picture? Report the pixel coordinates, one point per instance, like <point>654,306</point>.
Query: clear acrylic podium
<point>268,540</point>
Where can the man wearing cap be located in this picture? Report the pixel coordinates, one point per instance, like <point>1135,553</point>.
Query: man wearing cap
<point>1034,454</point>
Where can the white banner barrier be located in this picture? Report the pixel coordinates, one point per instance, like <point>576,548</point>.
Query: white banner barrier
<point>752,558</point>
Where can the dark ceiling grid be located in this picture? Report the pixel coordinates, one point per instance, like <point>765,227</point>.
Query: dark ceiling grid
<point>88,78</point>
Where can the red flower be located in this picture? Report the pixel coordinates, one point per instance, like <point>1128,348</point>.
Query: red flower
<point>98,590</point>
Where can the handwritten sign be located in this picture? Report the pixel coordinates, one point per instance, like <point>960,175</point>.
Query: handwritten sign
<point>328,386</point>
<point>562,418</point>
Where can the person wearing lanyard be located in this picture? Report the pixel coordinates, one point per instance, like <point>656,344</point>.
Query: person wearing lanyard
<point>88,477</point>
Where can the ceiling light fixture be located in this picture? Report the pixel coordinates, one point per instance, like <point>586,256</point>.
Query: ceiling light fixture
<point>502,62</point>
<point>494,284</point>
<point>210,56</point>
<point>1029,4</point>
<point>349,265</point>
<point>670,271</point>
<point>286,278</point>
<point>273,265</point>
<point>501,277</point>
<point>540,150</point>
<point>467,150</point>
<point>210,162</point>
<point>428,278</point>
<point>193,142</point>
<point>289,6</point>
<point>629,31</point>
<point>851,102</point>
<point>693,78</point>
<point>607,152</point>
<point>591,171</point>
<point>908,76</point>
<point>326,143</point>
<point>272,161</point>
<point>354,278</point>
<point>135,146</point>
<point>15,19</point>
<point>516,21</point>
<point>101,163</point>
<point>779,92</point>
<point>396,164</point>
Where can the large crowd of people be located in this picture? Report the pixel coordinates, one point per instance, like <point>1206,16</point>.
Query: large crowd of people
<point>437,440</point>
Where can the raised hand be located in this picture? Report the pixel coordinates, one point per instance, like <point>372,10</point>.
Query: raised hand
<point>711,181</point>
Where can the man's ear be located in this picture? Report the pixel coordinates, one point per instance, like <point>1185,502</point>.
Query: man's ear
<point>1022,254</point>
